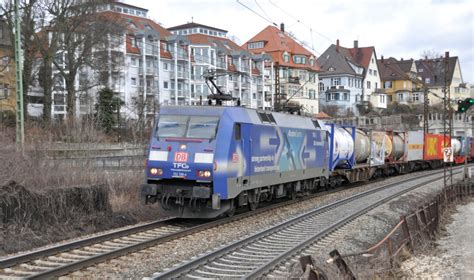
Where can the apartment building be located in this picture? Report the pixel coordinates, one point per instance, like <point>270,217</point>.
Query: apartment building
<point>149,66</point>
<point>297,67</point>
<point>238,72</point>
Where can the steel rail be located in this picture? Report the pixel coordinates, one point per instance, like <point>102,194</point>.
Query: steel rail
<point>261,271</point>
<point>207,258</point>
<point>42,253</point>
<point>10,261</point>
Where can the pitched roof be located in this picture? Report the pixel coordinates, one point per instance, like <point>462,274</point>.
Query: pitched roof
<point>360,56</point>
<point>192,25</point>
<point>434,70</point>
<point>340,56</point>
<point>223,43</point>
<point>390,70</point>
<point>336,60</point>
<point>276,43</point>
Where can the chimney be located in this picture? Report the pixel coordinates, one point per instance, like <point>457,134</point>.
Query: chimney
<point>282,27</point>
<point>401,58</point>
<point>337,45</point>
<point>446,54</point>
<point>356,44</point>
<point>381,58</point>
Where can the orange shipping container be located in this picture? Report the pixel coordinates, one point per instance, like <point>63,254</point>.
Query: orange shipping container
<point>433,148</point>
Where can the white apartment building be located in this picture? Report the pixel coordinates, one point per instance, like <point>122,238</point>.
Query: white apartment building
<point>149,66</point>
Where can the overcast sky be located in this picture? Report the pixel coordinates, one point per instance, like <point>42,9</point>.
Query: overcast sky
<point>398,28</point>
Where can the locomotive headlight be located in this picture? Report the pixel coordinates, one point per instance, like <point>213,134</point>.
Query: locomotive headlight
<point>204,174</point>
<point>156,171</point>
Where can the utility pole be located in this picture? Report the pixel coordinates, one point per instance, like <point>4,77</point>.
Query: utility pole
<point>277,100</point>
<point>20,128</point>
<point>447,123</point>
<point>426,112</point>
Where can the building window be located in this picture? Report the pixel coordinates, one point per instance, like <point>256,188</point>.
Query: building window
<point>400,96</point>
<point>376,85</point>
<point>165,66</point>
<point>335,81</point>
<point>382,98</point>
<point>311,61</point>
<point>368,84</point>
<point>312,94</point>
<point>321,87</point>
<point>372,60</point>
<point>134,81</point>
<point>346,96</point>
<point>165,84</point>
<point>416,97</point>
<point>427,80</point>
<point>420,70</point>
<point>255,45</point>
<point>286,57</point>
<point>370,71</point>
<point>299,59</point>
<point>4,93</point>
<point>387,84</point>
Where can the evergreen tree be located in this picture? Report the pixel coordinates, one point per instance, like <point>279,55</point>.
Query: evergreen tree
<point>108,109</point>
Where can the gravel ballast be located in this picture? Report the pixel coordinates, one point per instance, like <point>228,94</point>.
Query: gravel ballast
<point>158,258</point>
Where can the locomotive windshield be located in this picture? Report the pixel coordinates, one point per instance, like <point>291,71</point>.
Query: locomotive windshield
<point>202,127</point>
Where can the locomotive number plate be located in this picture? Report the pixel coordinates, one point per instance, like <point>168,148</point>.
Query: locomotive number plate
<point>181,157</point>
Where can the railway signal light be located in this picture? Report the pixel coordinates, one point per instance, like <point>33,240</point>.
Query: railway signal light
<point>463,105</point>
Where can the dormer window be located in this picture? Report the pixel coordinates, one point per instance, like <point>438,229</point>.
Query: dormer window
<point>299,59</point>
<point>311,61</point>
<point>255,45</point>
<point>286,57</point>
<point>331,69</point>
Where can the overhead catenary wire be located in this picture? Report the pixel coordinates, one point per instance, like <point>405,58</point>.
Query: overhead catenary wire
<point>253,11</point>
<point>300,21</point>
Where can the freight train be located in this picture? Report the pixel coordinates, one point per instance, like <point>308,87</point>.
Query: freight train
<point>206,161</point>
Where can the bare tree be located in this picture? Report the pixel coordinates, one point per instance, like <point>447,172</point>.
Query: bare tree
<point>81,36</point>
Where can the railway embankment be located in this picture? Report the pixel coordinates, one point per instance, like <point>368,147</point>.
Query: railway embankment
<point>423,234</point>
<point>32,217</point>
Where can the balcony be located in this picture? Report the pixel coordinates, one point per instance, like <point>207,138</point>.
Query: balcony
<point>148,71</point>
<point>180,75</point>
<point>293,80</point>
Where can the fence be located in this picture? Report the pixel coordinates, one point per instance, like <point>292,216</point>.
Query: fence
<point>410,234</point>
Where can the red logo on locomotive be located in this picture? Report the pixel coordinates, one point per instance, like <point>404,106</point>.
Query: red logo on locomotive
<point>181,157</point>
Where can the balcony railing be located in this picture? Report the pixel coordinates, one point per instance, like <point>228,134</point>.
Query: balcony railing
<point>180,75</point>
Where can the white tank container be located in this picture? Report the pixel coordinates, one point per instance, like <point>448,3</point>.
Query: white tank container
<point>398,146</point>
<point>361,146</point>
<point>456,146</point>
<point>343,144</point>
<point>388,146</point>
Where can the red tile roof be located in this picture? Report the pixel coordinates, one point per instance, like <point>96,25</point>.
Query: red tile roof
<point>360,56</point>
<point>276,43</point>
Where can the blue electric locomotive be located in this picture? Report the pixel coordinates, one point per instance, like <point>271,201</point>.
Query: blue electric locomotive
<point>206,161</point>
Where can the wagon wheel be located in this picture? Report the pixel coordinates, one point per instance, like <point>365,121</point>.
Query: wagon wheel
<point>253,205</point>
<point>232,209</point>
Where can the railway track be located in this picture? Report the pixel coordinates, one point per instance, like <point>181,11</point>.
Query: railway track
<point>72,256</point>
<point>257,255</point>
